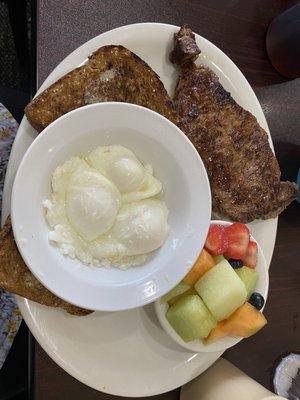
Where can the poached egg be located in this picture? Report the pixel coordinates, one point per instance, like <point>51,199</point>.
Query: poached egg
<point>103,209</point>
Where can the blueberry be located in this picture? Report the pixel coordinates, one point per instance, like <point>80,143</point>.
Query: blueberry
<point>257,300</point>
<point>236,263</point>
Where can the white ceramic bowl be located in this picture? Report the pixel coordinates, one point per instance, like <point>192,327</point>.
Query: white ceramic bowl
<point>176,163</point>
<point>226,342</point>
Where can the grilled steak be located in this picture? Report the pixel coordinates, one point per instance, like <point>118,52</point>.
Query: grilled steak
<point>15,277</point>
<point>112,73</point>
<point>185,47</point>
<point>243,171</point>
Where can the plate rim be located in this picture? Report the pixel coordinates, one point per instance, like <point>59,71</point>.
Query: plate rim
<point>25,304</point>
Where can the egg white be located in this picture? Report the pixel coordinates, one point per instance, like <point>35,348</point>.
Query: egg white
<point>120,165</point>
<point>101,218</point>
<point>92,203</point>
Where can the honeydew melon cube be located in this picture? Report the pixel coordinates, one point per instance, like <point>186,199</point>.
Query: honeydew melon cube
<point>176,298</point>
<point>176,291</point>
<point>249,276</point>
<point>221,290</point>
<point>190,318</point>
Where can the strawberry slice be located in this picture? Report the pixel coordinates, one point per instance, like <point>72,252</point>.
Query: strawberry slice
<point>238,239</point>
<point>216,241</point>
<point>250,259</point>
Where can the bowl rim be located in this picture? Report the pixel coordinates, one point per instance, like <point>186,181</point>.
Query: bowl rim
<point>197,345</point>
<point>42,138</point>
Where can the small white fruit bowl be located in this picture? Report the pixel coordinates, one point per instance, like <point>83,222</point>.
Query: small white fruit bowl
<point>176,163</point>
<point>198,345</point>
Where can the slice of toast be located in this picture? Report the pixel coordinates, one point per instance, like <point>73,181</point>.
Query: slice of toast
<point>15,277</point>
<point>112,73</point>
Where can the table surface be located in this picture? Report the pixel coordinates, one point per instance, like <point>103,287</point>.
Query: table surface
<point>238,27</point>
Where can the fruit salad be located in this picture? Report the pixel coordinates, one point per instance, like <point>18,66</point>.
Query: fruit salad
<point>217,297</point>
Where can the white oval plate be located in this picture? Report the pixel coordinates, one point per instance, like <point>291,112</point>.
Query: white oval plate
<point>128,353</point>
<point>155,141</point>
<point>223,344</point>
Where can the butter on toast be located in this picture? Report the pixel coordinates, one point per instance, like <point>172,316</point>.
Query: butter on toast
<point>15,277</point>
<point>112,73</point>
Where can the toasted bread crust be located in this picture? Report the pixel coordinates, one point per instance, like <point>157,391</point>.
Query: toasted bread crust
<point>15,277</point>
<point>112,73</point>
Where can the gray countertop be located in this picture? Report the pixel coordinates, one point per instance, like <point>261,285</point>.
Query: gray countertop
<point>64,25</point>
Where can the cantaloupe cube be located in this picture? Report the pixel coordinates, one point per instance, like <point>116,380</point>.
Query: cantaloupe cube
<point>217,333</point>
<point>219,259</point>
<point>190,318</point>
<point>244,322</point>
<point>203,264</point>
<point>221,290</point>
